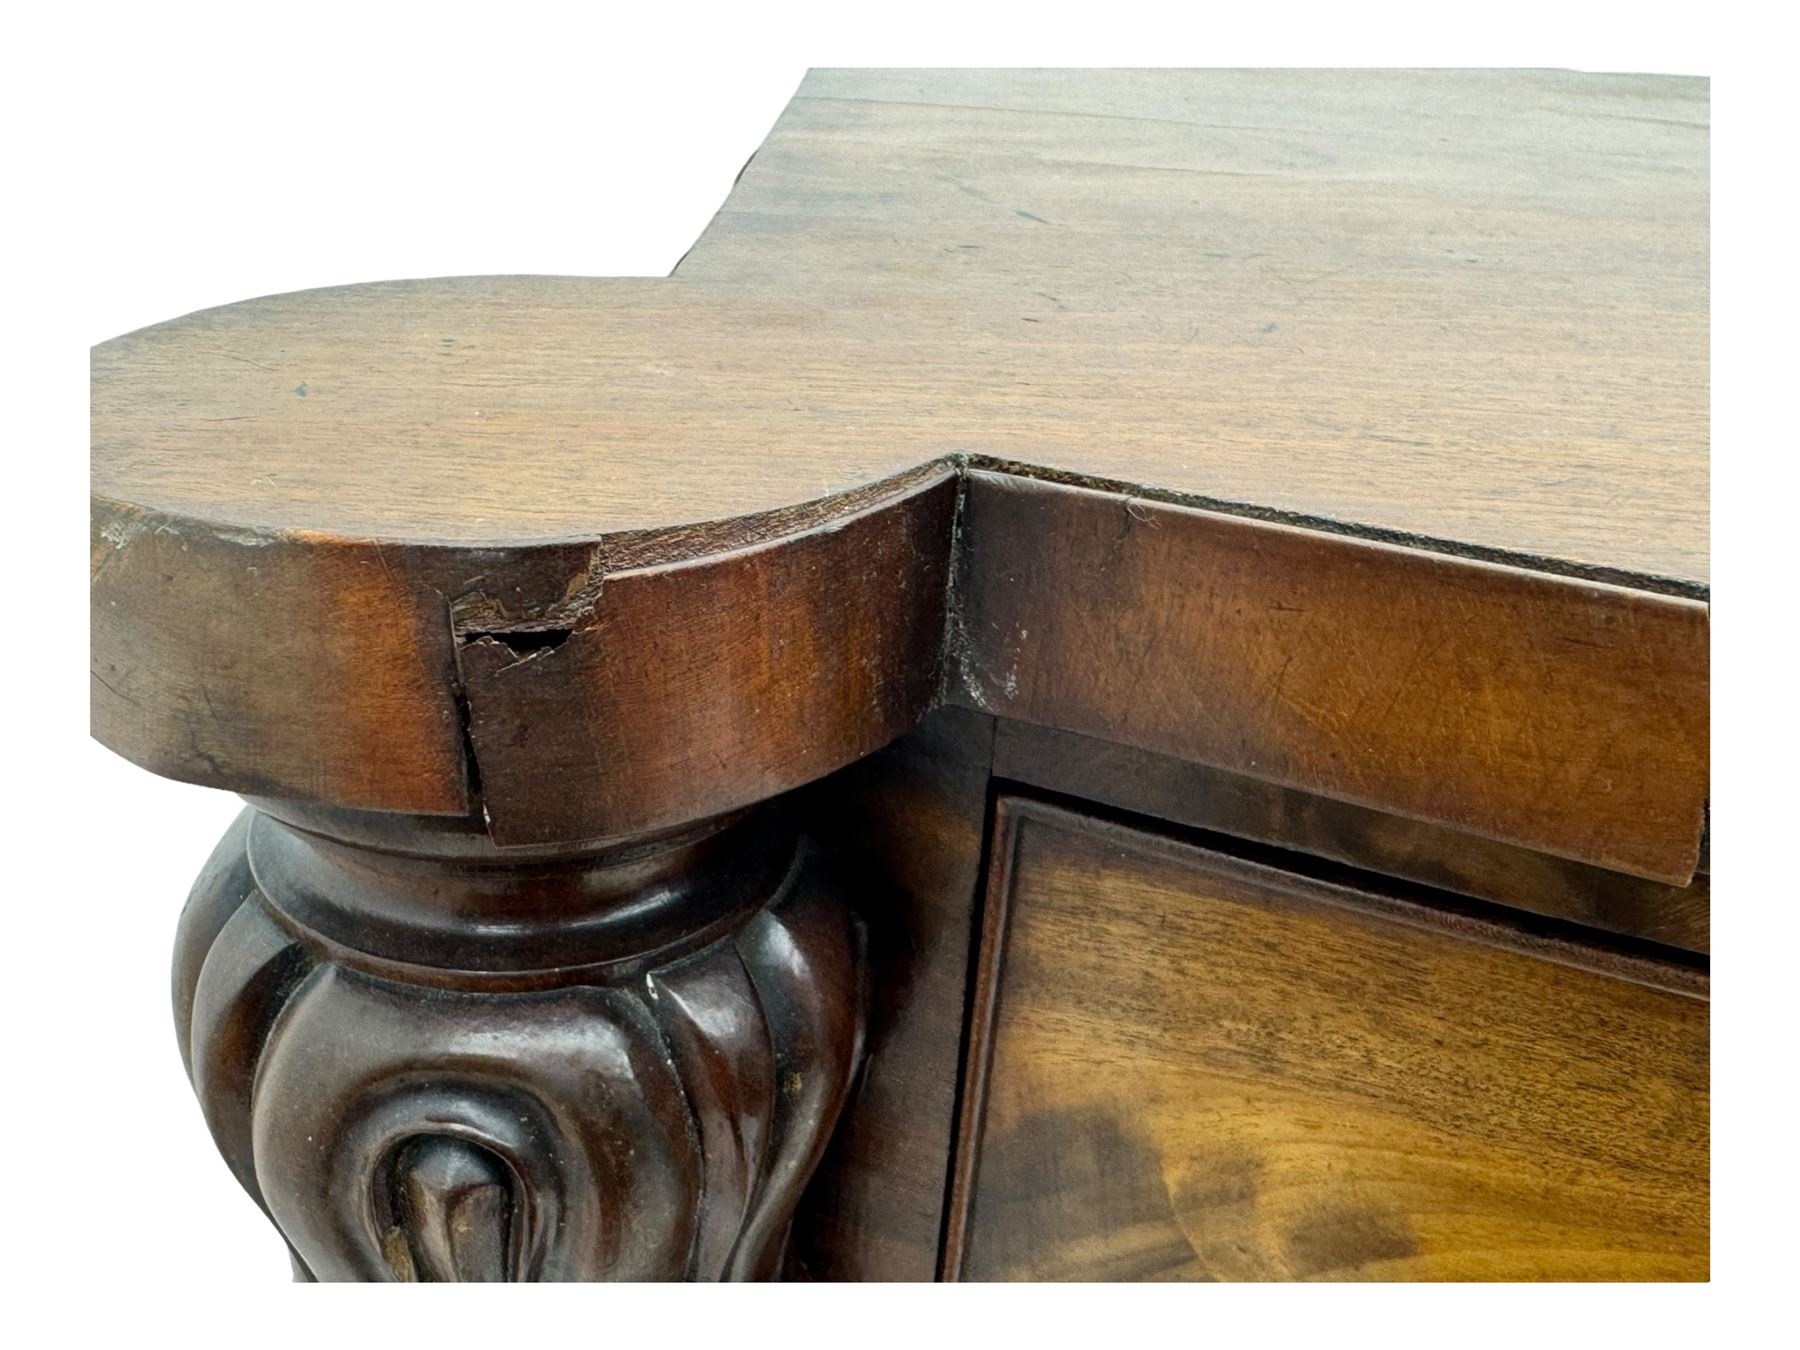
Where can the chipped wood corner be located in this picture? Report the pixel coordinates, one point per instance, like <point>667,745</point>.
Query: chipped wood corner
<point>1307,457</point>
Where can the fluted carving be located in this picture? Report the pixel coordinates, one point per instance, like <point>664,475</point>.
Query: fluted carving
<point>638,1102</point>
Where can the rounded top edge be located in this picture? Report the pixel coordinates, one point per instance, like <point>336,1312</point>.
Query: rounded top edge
<point>491,412</point>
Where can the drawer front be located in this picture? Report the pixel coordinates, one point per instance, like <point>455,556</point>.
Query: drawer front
<point>1189,1066</point>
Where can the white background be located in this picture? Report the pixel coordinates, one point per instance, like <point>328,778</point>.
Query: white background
<point>163,158</point>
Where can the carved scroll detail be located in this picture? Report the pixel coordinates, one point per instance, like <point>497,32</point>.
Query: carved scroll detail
<point>640,1119</point>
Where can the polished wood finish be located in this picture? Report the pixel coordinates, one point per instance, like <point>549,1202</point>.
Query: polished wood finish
<point>910,823</point>
<point>622,674</point>
<point>1561,714</point>
<point>715,683</point>
<point>1478,330</point>
<point>417,679</point>
<point>1311,1082</point>
<point>409,1099</point>
<point>1461,306</point>
<point>1253,809</point>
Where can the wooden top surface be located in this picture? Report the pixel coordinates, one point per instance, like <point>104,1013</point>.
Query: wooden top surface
<point>586,558</point>
<point>1467,309</point>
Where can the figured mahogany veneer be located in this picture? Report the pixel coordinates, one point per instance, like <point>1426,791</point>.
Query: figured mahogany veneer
<point>1330,448</point>
<point>1311,1081</point>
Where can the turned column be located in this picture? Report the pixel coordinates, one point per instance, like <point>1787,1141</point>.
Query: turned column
<point>516,968</point>
<point>429,1060</point>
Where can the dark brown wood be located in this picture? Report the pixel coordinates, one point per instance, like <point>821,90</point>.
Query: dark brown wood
<point>1459,306</point>
<point>909,824</point>
<point>1463,305</point>
<point>1311,1081</point>
<point>1251,809</point>
<point>420,679</point>
<point>1562,715</point>
<point>1559,715</point>
<point>715,683</point>
<point>187,624</point>
<point>684,541</point>
<point>410,1100</point>
<point>1317,458</point>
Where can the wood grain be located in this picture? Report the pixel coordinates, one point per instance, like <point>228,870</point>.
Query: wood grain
<point>1251,809</point>
<point>1565,715</point>
<point>1328,447</point>
<point>693,689</point>
<point>413,678</point>
<point>1468,306</point>
<point>909,825</point>
<point>316,671</point>
<point>1311,1082</point>
<point>587,557</point>
<point>1464,305</point>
